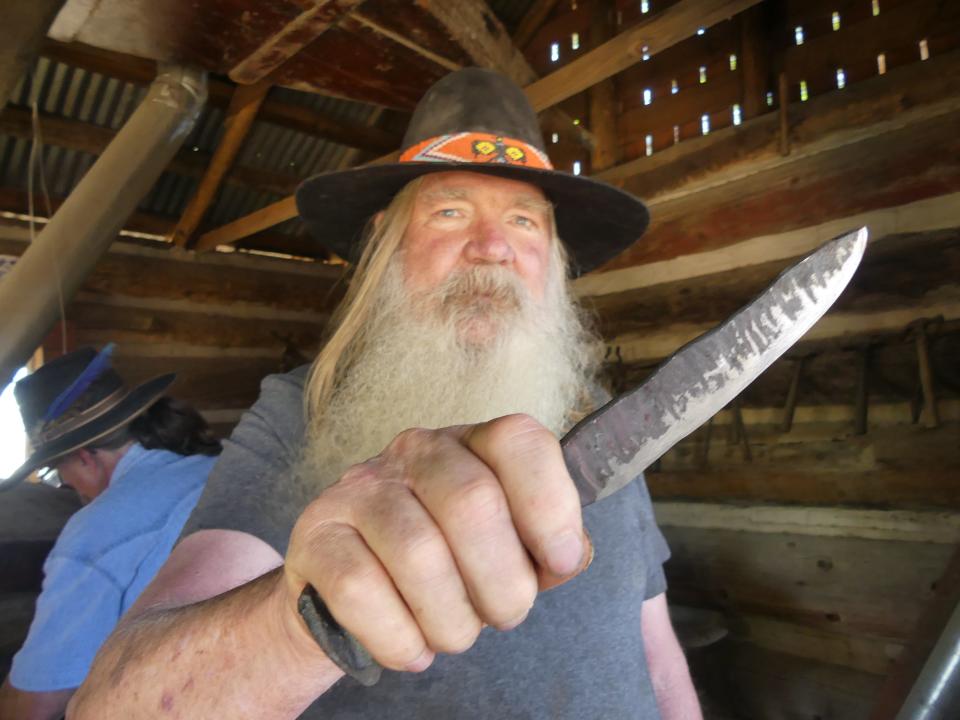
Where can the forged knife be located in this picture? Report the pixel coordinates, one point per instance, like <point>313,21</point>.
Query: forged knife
<point>609,449</point>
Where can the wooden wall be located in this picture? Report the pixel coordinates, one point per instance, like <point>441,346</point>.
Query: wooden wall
<point>221,321</point>
<point>827,548</point>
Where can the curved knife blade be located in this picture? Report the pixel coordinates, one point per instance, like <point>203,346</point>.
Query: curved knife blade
<point>609,448</point>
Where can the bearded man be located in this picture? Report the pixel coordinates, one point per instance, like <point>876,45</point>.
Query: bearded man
<point>414,478</point>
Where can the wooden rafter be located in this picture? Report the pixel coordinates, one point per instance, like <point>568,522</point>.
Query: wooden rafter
<point>295,117</point>
<point>290,39</point>
<point>676,23</point>
<point>366,22</point>
<point>532,21</point>
<point>240,116</point>
<point>93,139</point>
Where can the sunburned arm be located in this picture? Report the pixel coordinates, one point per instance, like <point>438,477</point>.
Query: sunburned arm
<point>16,704</point>
<point>214,635</point>
<point>669,674</point>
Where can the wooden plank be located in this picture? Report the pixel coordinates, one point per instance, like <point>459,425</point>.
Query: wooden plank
<point>677,23</point>
<point>937,213</point>
<point>661,342</point>
<point>901,525</point>
<point>217,279</point>
<point>535,16</point>
<point>755,74</point>
<point>255,222</point>
<point>404,41</point>
<point>240,117</point>
<point>838,584</point>
<point>603,102</point>
<point>821,464</point>
<point>290,39</point>
<point>857,43</point>
<point>860,652</point>
<point>761,683</point>
<point>204,382</point>
<point>97,324</point>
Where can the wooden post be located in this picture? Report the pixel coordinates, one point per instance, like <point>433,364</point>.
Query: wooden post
<point>784,97</point>
<point>532,22</point>
<point>707,432</point>
<point>603,99</point>
<point>240,116</point>
<point>862,399</point>
<point>791,404</point>
<point>754,63</point>
<point>930,414</point>
<point>741,431</point>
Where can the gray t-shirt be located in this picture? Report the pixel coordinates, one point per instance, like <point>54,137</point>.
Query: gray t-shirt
<point>578,655</point>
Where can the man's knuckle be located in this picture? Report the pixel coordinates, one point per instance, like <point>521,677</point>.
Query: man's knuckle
<point>462,641</point>
<point>351,584</point>
<point>409,440</point>
<point>478,502</point>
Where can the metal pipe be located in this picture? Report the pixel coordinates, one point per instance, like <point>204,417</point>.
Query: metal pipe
<point>936,694</point>
<point>84,227</point>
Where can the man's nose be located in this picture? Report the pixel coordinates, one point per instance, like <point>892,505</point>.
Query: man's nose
<point>488,243</point>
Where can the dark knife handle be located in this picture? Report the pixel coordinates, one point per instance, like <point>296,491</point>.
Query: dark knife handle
<point>339,645</point>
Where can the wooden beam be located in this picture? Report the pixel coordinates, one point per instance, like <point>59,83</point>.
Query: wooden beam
<point>532,21</point>
<point>676,23</point>
<point>295,117</point>
<point>93,139</point>
<point>902,525</point>
<point>603,102</point>
<point>869,654</point>
<point>754,62</point>
<point>290,39</point>
<point>240,117</point>
<point>404,41</point>
<point>938,213</point>
<point>659,343</point>
<point>255,222</point>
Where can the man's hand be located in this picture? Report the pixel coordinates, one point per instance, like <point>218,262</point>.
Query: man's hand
<point>445,531</point>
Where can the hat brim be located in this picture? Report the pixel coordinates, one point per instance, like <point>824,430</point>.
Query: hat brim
<point>133,404</point>
<point>596,221</point>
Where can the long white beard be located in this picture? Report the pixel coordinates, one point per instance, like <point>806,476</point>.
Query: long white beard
<point>475,349</point>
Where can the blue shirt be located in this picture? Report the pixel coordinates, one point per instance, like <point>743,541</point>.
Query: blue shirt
<point>105,556</point>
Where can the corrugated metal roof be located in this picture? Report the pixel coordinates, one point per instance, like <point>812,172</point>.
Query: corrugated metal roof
<point>88,97</point>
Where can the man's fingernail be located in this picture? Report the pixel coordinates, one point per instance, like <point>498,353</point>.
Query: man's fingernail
<point>513,623</point>
<point>564,553</point>
<point>422,662</point>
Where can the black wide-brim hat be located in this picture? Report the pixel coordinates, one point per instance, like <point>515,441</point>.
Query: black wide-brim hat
<point>102,406</point>
<point>476,120</point>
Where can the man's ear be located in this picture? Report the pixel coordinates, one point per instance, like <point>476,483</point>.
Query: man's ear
<point>84,456</point>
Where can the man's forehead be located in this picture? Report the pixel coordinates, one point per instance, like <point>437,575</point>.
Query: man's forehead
<point>465,185</point>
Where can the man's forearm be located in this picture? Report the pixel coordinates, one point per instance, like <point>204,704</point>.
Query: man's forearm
<point>239,655</point>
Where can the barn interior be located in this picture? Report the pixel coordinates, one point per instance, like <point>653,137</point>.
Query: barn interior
<point>813,522</point>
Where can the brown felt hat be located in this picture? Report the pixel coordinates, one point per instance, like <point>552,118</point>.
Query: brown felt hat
<point>75,400</point>
<point>476,120</point>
